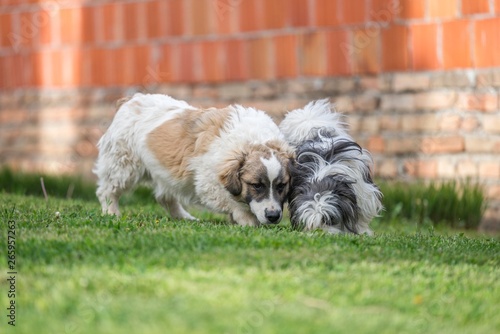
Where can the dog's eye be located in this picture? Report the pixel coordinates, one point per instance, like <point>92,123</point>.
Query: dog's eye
<point>280,187</point>
<point>257,186</point>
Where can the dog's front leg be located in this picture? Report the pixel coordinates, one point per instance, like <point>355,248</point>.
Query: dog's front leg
<point>243,218</point>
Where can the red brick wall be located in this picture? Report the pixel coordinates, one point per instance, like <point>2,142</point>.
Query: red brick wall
<point>418,79</point>
<point>75,43</point>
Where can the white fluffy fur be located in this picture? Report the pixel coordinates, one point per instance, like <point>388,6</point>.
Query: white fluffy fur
<point>298,123</point>
<point>305,124</point>
<point>125,158</point>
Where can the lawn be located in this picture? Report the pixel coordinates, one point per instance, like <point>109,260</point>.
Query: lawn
<point>144,273</point>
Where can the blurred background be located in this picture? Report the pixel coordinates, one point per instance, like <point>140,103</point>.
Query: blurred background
<point>418,80</point>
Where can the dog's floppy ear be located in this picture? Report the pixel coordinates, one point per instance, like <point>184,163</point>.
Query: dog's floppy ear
<point>230,173</point>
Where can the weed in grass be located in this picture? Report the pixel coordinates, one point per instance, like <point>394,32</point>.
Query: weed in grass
<point>452,203</point>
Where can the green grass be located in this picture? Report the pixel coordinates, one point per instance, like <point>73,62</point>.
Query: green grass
<point>144,273</point>
<point>454,204</point>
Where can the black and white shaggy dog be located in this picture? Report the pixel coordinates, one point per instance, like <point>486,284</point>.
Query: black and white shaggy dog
<point>332,186</point>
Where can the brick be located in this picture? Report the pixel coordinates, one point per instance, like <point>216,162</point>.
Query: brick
<point>274,14</point>
<point>475,7</point>
<point>70,65</point>
<point>341,85</point>
<point>395,53</point>
<point>489,169</point>
<point>450,122</point>
<point>453,79</point>
<point>443,9</point>
<point>8,75</point>
<point>71,22</point>
<point>401,145</point>
<point>482,144</point>
<point>378,83</point>
<point>285,48</point>
<point>199,22</point>
<point>180,91</point>
<point>469,123</point>
<point>145,74</point>
<point>456,44</point>
<point>261,66</point>
<point>467,168</point>
<point>384,11</point>
<point>491,123</point>
<point>312,54</point>
<point>424,47</point>
<point>250,20</point>
<point>164,65</point>
<point>369,125</point>
<point>57,71</point>
<point>12,68</point>
<point>188,58</point>
<point>410,82</point>
<point>343,103</point>
<point>398,102</point>
<point>493,193</point>
<point>419,123</point>
<point>212,61</point>
<point>48,30</point>
<point>446,168</point>
<point>390,123</point>
<point>327,13</point>
<point>5,29</point>
<point>224,15</point>
<point>89,25</point>
<point>264,91</point>
<point>298,13</point>
<point>85,148</point>
<point>375,144</point>
<point>300,87</point>
<point>123,59</point>
<point>478,101</point>
<point>236,56</point>
<point>156,26</point>
<point>364,50</point>
<point>421,168</point>
<point>338,57</point>
<point>177,17</point>
<point>444,144</point>
<point>487,79</point>
<point>110,22</point>
<point>412,9</point>
<point>366,102</point>
<point>487,43</point>
<point>99,72</point>
<point>387,168</point>
<point>14,116</point>
<point>435,100</point>
<point>361,140</point>
<point>130,25</point>
<point>235,91</point>
<point>24,29</point>
<point>352,12</point>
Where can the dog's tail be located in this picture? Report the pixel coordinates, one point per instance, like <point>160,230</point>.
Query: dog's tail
<point>299,124</point>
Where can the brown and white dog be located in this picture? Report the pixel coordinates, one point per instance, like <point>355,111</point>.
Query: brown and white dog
<point>232,160</point>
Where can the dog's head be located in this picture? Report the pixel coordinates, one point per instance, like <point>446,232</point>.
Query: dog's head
<point>259,175</point>
<point>325,184</point>
<point>330,201</point>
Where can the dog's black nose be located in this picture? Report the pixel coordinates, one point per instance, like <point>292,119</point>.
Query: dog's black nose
<point>273,215</point>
